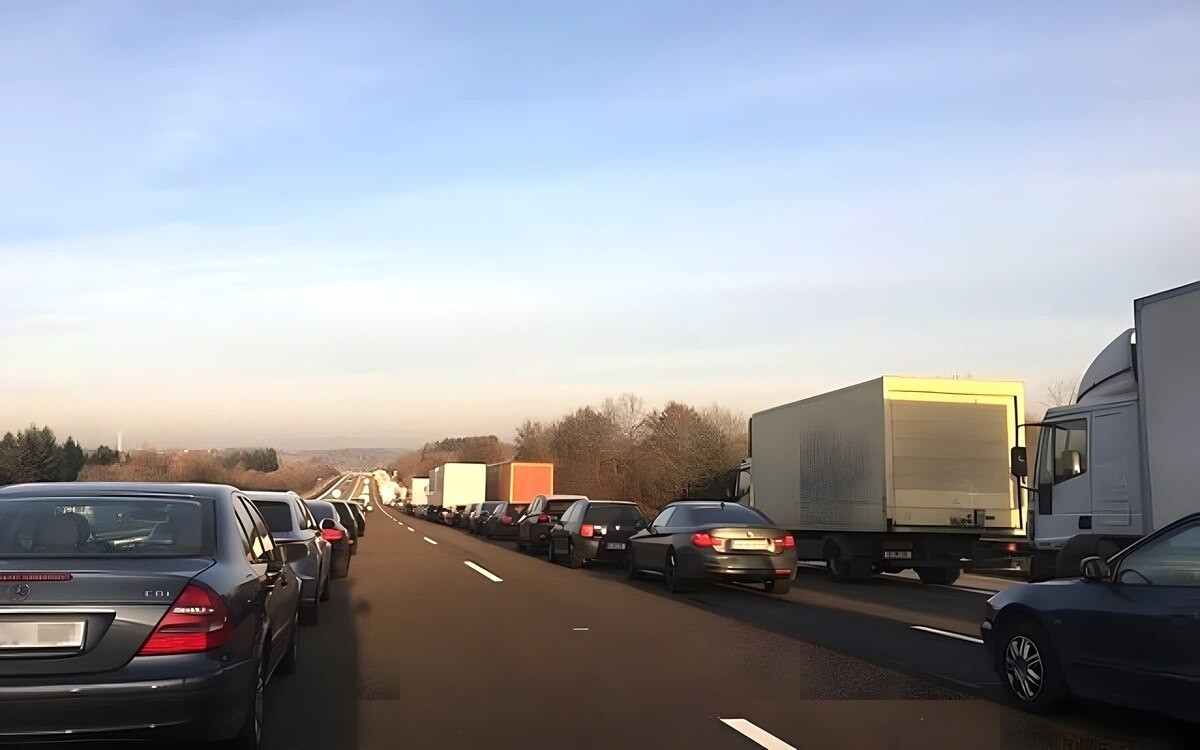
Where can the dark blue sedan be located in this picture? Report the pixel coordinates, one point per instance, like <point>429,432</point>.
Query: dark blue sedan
<point>1127,632</point>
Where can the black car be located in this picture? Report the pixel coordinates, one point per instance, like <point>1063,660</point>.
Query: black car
<point>1124,633</point>
<point>477,518</point>
<point>297,534</point>
<point>502,524</point>
<point>348,518</point>
<point>533,527</point>
<point>594,530</point>
<point>338,536</point>
<point>140,610</point>
<point>691,542</point>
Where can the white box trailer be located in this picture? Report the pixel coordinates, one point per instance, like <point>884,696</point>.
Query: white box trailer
<point>419,495</point>
<point>1120,462</point>
<point>457,484</point>
<point>891,474</point>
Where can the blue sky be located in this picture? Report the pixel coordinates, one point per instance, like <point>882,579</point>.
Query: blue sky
<point>376,223</point>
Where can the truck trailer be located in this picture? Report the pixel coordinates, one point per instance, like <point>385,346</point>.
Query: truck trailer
<point>419,495</point>
<point>518,481</point>
<point>891,474</point>
<point>1121,461</point>
<point>457,484</point>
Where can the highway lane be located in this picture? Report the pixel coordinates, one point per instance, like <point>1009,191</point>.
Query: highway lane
<point>423,647</point>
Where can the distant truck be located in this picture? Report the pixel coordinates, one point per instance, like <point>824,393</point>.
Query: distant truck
<point>1122,461</point>
<point>518,481</point>
<point>419,495</point>
<point>457,484</point>
<point>890,474</point>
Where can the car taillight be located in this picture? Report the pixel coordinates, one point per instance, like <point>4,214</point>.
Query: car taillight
<point>506,520</point>
<point>702,539</point>
<point>197,621</point>
<point>587,530</point>
<point>543,518</point>
<point>332,535</point>
<point>784,542</point>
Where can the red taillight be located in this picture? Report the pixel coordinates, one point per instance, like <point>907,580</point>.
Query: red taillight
<point>587,530</point>
<point>785,542</point>
<point>702,539</point>
<point>783,573</point>
<point>543,518</point>
<point>506,520</point>
<point>332,535</point>
<point>197,621</point>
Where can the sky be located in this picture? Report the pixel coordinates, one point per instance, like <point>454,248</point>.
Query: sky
<point>373,224</point>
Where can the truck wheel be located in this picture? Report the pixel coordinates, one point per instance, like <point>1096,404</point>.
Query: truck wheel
<point>942,576</point>
<point>836,562</point>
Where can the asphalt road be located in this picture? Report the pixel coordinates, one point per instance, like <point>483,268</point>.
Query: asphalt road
<point>418,649</point>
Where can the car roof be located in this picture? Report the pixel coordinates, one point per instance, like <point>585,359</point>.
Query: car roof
<point>611,502</point>
<point>148,490</point>
<point>565,497</point>
<point>276,496</point>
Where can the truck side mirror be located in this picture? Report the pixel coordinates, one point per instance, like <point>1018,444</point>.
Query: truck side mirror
<point>1018,461</point>
<point>1095,569</point>
<point>1072,464</point>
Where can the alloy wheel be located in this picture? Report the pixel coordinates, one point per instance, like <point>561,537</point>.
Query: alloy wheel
<point>1023,668</point>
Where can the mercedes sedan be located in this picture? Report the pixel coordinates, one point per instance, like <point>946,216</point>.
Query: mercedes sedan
<point>134,610</point>
<point>691,542</point>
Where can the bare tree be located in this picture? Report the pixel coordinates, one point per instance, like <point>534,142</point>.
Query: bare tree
<point>1061,392</point>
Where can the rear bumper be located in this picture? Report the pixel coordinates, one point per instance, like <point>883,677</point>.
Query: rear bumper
<point>500,531</point>
<point>744,568</point>
<point>597,549</point>
<point>208,705</point>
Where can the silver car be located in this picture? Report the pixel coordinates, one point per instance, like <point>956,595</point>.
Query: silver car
<point>306,551</point>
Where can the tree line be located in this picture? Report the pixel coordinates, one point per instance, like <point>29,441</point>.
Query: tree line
<point>35,455</point>
<point>619,450</point>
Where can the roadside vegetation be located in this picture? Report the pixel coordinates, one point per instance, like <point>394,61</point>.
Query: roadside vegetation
<point>618,450</point>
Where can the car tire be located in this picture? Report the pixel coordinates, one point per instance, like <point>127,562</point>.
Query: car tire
<point>779,586</point>
<point>573,558</point>
<point>675,584</point>
<point>249,737</point>
<point>939,576</point>
<point>325,589</point>
<point>631,569</point>
<point>550,557</point>
<point>1023,647</point>
<point>308,615</point>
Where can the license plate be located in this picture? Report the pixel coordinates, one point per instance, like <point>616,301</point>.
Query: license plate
<point>615,545</point>
<point>897,554</point>
<point>20,635</point>
<point>747,544</point>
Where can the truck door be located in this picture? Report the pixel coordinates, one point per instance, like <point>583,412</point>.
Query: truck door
<point>1064,492</point>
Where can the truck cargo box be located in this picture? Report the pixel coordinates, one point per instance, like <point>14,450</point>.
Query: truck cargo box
<point>1168,367</point>
<point>894,453</point>
<point>519,481</point>
<point>457,484</point>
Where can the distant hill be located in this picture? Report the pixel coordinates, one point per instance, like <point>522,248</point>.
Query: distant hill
<point>345,459</point>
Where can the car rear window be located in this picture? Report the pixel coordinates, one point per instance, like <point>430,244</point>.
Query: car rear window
<point>277,515</point>
<point>705,515</point>
<point>489,507</point>
<point>111,526</point>
<point>321,511</point>
<point>558,507</point>
<point>613,514</point>
<point>515,510</point>
<point>344,515</point>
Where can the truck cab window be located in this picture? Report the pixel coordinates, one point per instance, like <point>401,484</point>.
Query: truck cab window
<point>1063,452</point>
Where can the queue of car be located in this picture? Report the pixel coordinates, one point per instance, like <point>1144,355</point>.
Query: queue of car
<point>157,610</point>
<point>688,543</point>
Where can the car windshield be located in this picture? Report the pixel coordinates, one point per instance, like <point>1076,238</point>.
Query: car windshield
<point>603,514</point>
<point>106,527</point>
<point>705,515</point>
<point>277,514</point>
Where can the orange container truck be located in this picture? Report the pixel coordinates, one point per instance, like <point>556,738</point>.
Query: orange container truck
<point>518,481</point>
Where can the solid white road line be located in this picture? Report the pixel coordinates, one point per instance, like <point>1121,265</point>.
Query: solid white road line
<point>758,734</point>
<point>483,571</point>
<point>948,634</point>
<point>430,540</point>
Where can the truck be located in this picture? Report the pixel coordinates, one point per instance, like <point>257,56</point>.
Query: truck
<point>1120,462</point>
<point>454,484</point>
<point>518,481</point>
<point>891,474</point>
<point>420,491</point>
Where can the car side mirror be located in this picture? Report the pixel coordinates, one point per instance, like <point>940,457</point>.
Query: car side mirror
<point>328,523</point>
<point>1095,569</point>
<point>639,525</point>
<point>1018,460</point>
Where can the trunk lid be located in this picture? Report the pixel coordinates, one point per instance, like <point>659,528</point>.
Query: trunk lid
<point>61,616</point>
<point>745,539</point>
